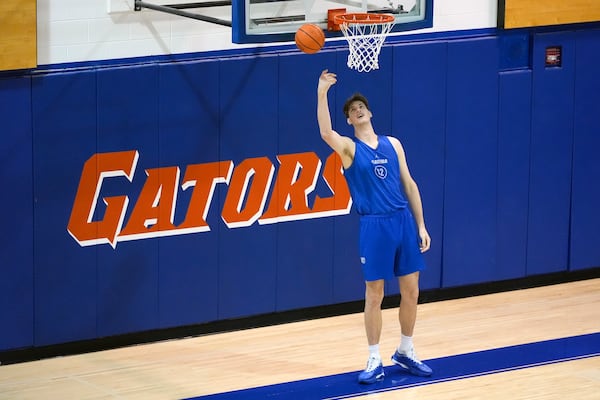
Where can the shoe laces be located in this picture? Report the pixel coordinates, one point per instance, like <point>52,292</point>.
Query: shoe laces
<point>372,364</point>
<point>412,354</point>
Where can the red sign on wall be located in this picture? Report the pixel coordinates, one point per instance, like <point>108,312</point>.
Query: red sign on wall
<point>553,56</point>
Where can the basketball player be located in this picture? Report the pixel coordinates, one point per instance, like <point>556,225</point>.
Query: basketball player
<point>392,228</point>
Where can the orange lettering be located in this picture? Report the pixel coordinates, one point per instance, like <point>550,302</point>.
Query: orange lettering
<point>249,187</point>
<point>251,181</point>
<point>296,179</point>
<point>203,177</point>
<point>341,201</point>
<point>98,167</point>
<point>155,208</point>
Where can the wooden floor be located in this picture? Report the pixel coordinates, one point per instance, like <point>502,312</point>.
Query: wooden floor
<point>223,362</point>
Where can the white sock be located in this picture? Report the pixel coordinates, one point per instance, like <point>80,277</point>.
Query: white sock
<point>374,351</point>
<point>406,344</point>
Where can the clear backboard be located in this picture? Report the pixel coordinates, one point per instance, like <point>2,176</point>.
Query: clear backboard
<point>260,21</point>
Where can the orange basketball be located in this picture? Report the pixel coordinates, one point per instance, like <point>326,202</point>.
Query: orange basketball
<point>310,38</point>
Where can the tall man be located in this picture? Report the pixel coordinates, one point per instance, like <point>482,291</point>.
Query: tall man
<point>392,227</point>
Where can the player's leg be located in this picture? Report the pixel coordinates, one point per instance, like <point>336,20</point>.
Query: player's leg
<point>405,356</point>
<point>409,262</point>
<point>407,313</point>
<point>377,258</point>
<point>374,292</point>
<point>372,314</point>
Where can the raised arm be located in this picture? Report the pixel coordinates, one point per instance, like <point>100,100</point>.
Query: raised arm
<point>342,145</point>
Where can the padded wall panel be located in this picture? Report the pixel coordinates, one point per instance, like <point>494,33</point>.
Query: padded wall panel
<point>304,248</point>
<point>189,135</point>
<point>514,136</point>
<point>585,217</point>
<point>514,50</point>
<point>551,152</point>
<point>419,112</point>
<point>248,117</point>
<point>16,239</point>
<point>469,253</point>
<point>128,275</point>
<point>348,282</point>
<point>64,136</point>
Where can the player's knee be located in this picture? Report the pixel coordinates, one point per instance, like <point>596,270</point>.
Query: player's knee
<point>374,294</point>
<point>410,293</point>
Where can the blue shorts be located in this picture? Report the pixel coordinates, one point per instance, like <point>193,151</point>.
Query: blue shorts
<point>389,245</point>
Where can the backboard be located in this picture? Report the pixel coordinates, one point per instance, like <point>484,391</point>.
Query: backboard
<point>261,21</point>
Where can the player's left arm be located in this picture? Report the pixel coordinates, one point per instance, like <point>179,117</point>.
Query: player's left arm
<point>412,193</point>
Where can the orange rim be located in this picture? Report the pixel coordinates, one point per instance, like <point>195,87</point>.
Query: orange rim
<point>363,18</point>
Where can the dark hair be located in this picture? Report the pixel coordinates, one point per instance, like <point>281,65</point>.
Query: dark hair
<point>353,98</point>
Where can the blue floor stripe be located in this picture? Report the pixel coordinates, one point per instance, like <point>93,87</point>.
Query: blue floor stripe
<point>342,386</point>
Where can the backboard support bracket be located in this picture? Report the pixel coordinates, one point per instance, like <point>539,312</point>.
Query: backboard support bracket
<point>180,10</point>
<point>331,25</point>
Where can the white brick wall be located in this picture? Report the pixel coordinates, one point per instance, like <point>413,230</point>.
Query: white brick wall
<point>91,30</point>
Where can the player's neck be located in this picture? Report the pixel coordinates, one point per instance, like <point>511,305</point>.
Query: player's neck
<point>365,132</point>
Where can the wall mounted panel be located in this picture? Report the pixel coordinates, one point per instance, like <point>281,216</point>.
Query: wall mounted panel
<point>189,138</point>
<point>419,121</point>
<point>128,274</point>
<point>64,136</point>
<point>470,193</point>
<point>16,240</point>
<point>248,137</point>
<point>551,153</point>
<point>585,200</point>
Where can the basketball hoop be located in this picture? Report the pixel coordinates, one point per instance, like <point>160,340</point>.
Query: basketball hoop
<point>365,34</point>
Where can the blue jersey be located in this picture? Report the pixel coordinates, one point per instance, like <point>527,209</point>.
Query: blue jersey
<point>374,179</point>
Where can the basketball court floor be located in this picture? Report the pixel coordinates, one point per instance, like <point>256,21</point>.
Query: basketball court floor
<point>540,343</point>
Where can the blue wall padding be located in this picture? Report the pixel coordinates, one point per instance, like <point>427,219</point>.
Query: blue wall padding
<point>585,200</point>
<point>348,284</point>
<point>504,154</point>
<point>128,278</point>
<point>303,263</point>
<point>419,120</point>
<point>514,129</point>
<point>16,237</point>
<point>551,154</point>
<point>64,111</point>
<point>514,51</point>
<point>248,119</point>
<point>469,252</point>
<point>188,135</point>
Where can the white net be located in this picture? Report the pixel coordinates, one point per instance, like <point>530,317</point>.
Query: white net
<point>365,39</point>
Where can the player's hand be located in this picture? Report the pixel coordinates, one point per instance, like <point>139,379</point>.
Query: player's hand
<point>425,240</point>
<point>326,80</point>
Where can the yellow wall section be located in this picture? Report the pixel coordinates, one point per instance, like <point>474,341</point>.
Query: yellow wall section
<point>18,34</point>
<point>527,13</point>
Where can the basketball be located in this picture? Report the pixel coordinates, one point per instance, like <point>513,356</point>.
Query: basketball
<point>310,38</point>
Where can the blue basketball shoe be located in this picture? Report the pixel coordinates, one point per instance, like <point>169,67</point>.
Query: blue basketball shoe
<point>410,363</point>
<point>373,373</point>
